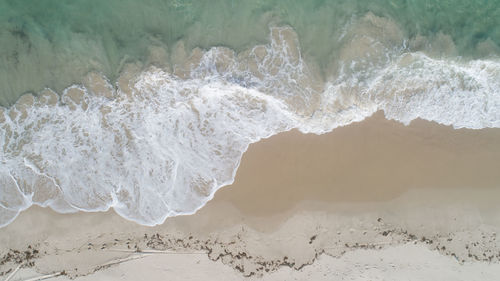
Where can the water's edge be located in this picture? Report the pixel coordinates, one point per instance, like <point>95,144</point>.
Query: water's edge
<point>162,141</point>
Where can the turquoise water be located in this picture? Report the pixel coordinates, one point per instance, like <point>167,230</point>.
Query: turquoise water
<point>54,43</point>
<point>147,106</point>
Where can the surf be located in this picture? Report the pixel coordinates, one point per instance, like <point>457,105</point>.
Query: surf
<point>159,142</point>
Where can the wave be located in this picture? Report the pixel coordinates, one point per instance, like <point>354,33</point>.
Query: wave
<point>160,143</point>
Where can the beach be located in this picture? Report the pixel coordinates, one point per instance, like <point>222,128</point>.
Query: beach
<point>249,140</point>
<point>373,200</point>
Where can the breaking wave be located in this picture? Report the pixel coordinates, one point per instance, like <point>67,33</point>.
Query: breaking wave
<point>159,142</point>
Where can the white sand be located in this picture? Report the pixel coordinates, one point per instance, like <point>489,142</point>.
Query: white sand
<point>404,262</point>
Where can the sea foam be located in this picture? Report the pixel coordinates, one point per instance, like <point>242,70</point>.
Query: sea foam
<point>160,143</point>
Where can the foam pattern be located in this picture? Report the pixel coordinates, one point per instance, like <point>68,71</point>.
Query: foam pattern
<point>163,142</point>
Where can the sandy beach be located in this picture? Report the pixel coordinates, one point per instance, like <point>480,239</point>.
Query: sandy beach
<point>375,200</point>
<point>249,140</point>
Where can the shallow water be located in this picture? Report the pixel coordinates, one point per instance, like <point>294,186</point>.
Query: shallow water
<point>51,43</point>
<point>148,106</point>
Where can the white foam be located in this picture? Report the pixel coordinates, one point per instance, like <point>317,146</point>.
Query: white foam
<point>164,147</point>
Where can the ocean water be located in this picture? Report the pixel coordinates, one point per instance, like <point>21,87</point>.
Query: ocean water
<point>147,106</point>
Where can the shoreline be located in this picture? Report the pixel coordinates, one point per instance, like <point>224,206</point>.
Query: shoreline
<point>327,195</point>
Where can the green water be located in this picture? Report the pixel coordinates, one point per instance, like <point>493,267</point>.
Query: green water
<point>54,43</point>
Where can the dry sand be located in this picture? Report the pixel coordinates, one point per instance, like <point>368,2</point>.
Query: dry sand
<point>375,200</point>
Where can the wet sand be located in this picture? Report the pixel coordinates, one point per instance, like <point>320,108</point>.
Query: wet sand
<point>423,193</point>
<point>375,160</point>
